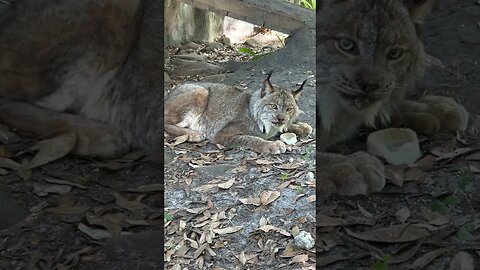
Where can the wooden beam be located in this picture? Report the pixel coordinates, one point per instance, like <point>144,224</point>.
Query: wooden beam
<point>278,15</point>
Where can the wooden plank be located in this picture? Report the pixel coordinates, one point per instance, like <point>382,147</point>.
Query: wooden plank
<point>273,14</point>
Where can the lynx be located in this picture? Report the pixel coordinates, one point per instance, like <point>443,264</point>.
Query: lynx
<point>91,67</point>
<point>369,56</point>
<point>233,117</point>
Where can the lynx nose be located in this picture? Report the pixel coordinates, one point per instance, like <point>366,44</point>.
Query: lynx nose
<point>280,119</point>
<point>368,81</point>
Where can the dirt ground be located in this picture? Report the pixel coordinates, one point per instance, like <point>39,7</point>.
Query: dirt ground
<point>427,214</point>
<point>234,209</point>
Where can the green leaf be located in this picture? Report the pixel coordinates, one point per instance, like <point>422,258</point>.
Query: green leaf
<point>247,51</point>
<point>167,217</point>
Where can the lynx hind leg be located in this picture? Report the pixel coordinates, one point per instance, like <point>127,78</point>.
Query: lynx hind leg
<point>452,115</point>
<point>94,139</point>
<point>183,110</point>
<point>356,174</point>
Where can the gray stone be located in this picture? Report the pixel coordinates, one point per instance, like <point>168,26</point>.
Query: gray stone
<point>214,46</point>
<point>218,78</point>
<point>190,46</point>
<point>304,240</point>
<point>11,210</point>
<point>168,157</point>
<point>217,170</point>
<point>191,56</point>
<point>190,68</point>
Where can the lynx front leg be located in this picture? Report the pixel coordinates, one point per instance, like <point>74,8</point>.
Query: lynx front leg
<point>193,136</point>
<point>359,173</point>
<point>301,129</point>
<point>93,138</point>
<point>254,143</point>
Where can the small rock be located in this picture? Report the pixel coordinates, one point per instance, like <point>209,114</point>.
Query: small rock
<point>167,78</point>
<point>304,240</point>
<point>225,40</point>
<point>191,56</point>
<point>191,46</point>
<point>217,78</point>
<point>289,138</point>
<point>252,43</point>
<point>196,68</point>
<point>396,145</point>
<point>310,177</point>
<point>214,46</point>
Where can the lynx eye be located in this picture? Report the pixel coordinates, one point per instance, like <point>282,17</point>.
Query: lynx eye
<point>289,109</point>
<point>273,107</point>
<point>395,54</point>
<point>346,45</point>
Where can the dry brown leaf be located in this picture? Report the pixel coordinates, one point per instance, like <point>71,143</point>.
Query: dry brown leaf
<point>312,198</point>
<point>474,169</point>
<point>253,201</point>
<point>474,157</point>
<point>63,182</point>
<point>365,212</point>
<point>402,214</point>
<point>200,250</point>
<point>43,190</point>
<point>462,261</point>
<point>228,230</point>
<point>299,259</point>
<point>179,140</point>
<point>147,188</point>
<point>456,153</point>
<point>326,221</point>
<point>96,234</point>
<point>427,258</point>
<point>268,228</point>
<point>204,188</point>
<point>285,184</point>
<point>288,166</point>
<point>227,184</point>
<point>123,202</point>
<point>264,162</point>
<point>393,234</point>
<point>268,196</point>
<point>242,258</point>
<point>9,164</point>
<point>439,221</point>
<point>426,163</point>
<point>406,255</point>
<point>51,150</point>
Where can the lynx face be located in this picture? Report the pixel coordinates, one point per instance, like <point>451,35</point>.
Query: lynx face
<point>368,53</point>
<point>275,108</point>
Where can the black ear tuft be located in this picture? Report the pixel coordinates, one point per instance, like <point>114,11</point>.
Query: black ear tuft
<point>267,85</point>
<point>296,93</point>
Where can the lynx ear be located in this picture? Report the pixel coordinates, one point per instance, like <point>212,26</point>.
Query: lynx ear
<point>419,9</point>
<point>296,93</point>
<point>267,85</point>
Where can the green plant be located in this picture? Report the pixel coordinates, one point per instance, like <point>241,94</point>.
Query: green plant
<point>298,189</point>
<point>382,264</point>
<point>465,232</point>
<point>167,216</point>
<point>284,176</point>
<point>443,206</point>
<point>310,4</point>
<point>255,56</point>
<point>308,152</point>
<point>465,179</point>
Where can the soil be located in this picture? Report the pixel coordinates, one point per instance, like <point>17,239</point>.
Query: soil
<point>451,34</point>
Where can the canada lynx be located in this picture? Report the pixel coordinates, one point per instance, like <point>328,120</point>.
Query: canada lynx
<point>233,117</point>
<point>92,67</point>
<point>369,56</point>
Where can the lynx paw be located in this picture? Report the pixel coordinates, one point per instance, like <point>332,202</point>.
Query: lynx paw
<point>423,123</point>
<point>269,147</point>
<point>301,129</point>
<point>452,115</point>
<point>194,136</point>
<point>99,143</point>
<point>359,173</point>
